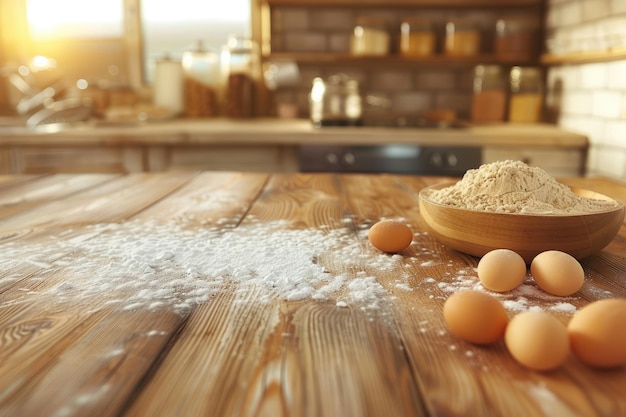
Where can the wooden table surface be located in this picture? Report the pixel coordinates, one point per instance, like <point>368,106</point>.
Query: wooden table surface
<point>232,294</point>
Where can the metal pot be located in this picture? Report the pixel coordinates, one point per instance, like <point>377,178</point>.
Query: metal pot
<point>335,102</point>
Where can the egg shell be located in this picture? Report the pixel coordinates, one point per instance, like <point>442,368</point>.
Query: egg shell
<point>597,333</point>
<point>537,340</point>
<point>475,316</point>
<point>557,273</point>
<point>501,270</point>
<point>390,236</point>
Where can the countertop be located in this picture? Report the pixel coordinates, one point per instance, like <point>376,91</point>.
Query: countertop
<point>247,294</point>
<point>285,132</point>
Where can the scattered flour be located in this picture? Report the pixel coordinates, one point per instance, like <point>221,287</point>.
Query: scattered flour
<point>145,264</point>
<point>514,187</point>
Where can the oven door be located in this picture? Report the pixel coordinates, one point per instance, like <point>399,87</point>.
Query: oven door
<point>396,159</point>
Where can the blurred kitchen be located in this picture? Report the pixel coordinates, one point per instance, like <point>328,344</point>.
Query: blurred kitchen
<point>409,86</point>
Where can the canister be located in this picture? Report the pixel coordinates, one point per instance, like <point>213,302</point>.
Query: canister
<point>516,36</point>
<point>168,85</point>
<point>462,37</point>
<point>489,94</point>
<point>242,72</point>
<point>201,69</point>
<point>526,98</point>
<point>370,36</point>
<point>417,37</point>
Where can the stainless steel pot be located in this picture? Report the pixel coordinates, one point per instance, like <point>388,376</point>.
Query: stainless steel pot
<point>335,102</point>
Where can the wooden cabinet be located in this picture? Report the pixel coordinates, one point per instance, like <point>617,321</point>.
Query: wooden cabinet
<point>557,162</point>
<point>53,159</point>
<point>246,158</point>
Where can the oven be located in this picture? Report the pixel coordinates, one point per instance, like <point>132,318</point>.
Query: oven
<point>390,158</point>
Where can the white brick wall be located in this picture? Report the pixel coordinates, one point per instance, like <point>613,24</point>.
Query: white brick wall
<point>593,96</point>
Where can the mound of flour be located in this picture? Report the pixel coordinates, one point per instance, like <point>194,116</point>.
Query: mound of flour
<point>514,187</point>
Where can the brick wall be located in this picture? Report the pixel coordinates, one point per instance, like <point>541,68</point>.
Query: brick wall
<point>591,97</point>
<point>411,88</point>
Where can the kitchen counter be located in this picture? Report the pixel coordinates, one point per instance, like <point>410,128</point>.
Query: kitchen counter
<point>239,294</point>
<point>266,145</point>
<point>286,132</point>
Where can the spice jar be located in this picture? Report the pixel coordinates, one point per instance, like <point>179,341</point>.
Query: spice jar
<point>489,98</point>
<point>242,69</point>
<point>201,70</point>
<point>515,36</point>
<point>168,85</point>
<point>417,37</point>
<point>526,100</point>
<point>462,38</point>
<point>369,37</point>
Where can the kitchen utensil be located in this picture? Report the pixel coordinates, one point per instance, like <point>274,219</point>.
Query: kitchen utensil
<point>336,101</point>
<point>478,232</point>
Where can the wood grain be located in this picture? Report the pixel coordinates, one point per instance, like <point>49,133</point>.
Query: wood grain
<point>242,354</point>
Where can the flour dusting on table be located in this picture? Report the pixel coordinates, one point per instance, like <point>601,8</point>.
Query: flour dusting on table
<point>145,264</point>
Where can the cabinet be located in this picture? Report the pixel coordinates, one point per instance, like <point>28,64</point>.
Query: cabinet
<point>74,159</point>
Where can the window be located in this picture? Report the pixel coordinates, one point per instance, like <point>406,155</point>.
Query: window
<point>106,39</point>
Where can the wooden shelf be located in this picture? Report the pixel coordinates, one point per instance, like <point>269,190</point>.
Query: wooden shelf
<point>584,57</point>
<point>387,60</point>
<point>407,3</point>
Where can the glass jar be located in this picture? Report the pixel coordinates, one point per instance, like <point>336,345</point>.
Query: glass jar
<point>369,37</point>
<point>462,38</point>
<point>515,36</point>
<point>489,98</point>
<point>201,69</point>
<point>240,63</point>
<point>417,37</point>
<point>526,100</point>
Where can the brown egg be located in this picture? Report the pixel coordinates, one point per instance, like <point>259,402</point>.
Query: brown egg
<point>597,333</point>
<point>475,316</point>
<point>537,340</point>
<point>501,270</point>
<point>557,273</point>
<point>390,236</point>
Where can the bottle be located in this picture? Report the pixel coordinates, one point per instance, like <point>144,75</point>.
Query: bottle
<point>489,98</point>
<point>242,71</point>
<point>201,69</point>
<point>369,37</point>
<point>417,37</point>
<point>462,38</point>
<point>526,101</point>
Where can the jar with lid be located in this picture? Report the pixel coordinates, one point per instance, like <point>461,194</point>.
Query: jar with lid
<point>417,37</point>
<point>462,37</point>
<point>490,92</point>
<point>526,100</point>
<point>516,36</point>
<point>335,102</point>
<point>240,64</point>
<point>370,36</point>
<point>201,70</point>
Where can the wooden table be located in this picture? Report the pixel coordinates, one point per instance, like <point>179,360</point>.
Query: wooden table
<point>107,308</point>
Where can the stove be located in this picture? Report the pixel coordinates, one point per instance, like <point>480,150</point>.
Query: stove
<point>396,159</point>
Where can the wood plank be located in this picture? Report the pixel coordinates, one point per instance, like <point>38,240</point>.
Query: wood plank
<point>315,358</point>
<point>45,190</point>
<point>459,378</point>
<point>113,348</point>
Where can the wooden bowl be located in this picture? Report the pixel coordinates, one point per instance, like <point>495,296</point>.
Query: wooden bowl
<point>478,232</point>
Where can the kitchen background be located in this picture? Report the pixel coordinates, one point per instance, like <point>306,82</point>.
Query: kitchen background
<point>580,46</point>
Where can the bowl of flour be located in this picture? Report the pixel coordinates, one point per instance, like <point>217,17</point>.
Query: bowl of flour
<point>508,204</point>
